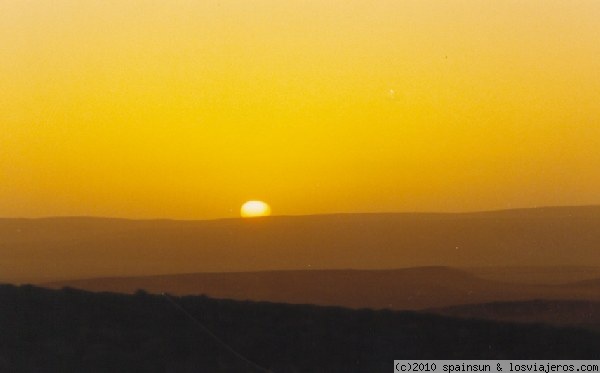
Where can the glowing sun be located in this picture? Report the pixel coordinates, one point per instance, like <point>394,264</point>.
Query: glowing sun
<point>252,209</point>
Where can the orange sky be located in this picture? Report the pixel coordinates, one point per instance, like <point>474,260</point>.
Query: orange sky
<point>185,109</point>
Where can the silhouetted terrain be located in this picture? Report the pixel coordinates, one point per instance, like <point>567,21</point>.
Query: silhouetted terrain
<point>70,248</point>
<point>582,314</point>
<point>401,289</point>
<point>75,331</point>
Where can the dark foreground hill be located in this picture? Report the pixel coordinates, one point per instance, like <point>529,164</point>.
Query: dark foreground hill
<point>75,331</point>
<point>43,250</point>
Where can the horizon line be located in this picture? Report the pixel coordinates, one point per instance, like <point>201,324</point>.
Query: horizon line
<point>47,217</point>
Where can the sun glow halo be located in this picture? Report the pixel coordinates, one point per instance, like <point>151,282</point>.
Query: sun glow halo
<point>253,209</point>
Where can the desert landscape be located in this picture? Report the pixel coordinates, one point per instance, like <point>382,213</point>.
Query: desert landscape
<point>297,186</point>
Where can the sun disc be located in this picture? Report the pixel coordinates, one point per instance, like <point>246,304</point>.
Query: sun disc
<point>253,209</point>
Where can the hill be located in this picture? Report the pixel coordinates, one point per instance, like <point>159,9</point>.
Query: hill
<point>537,275</point>
<point>52,249</point>
<point>75,331</point>
<point>590,284</point>
<point>581,314</point>
<point>400,289</point>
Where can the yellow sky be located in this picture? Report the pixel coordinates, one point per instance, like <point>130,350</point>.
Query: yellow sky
<point>185,109</point>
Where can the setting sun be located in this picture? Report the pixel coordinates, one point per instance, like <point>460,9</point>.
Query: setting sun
<point>252,209</point>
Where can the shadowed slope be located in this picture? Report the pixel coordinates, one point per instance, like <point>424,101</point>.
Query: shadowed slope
<point>410,288</point>
<point>582,314</point>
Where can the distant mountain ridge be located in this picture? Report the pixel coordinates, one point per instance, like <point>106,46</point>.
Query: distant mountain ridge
<point>65,248</point>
